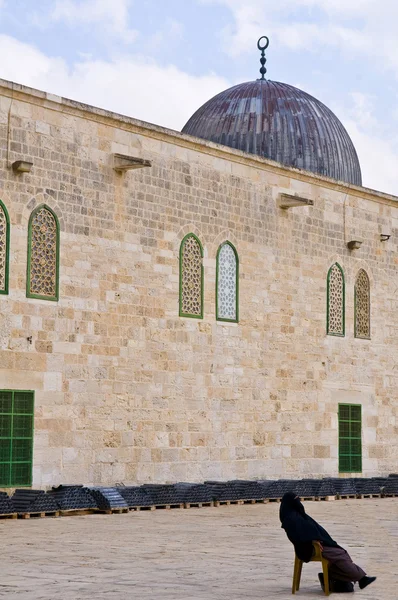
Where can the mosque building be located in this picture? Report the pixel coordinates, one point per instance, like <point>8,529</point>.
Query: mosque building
<point>220,303</point>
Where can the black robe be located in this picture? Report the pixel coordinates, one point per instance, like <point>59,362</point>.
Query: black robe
<point>301,529</point>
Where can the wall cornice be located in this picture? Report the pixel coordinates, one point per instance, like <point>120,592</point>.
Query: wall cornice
<point>77,109</point>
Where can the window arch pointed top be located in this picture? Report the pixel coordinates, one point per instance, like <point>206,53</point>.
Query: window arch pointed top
<point>4,248</point>
<point>43,254</point>
<point>227,283</point>
<point>191,277</point>
<point>362,305</point>
<point>335,301</point>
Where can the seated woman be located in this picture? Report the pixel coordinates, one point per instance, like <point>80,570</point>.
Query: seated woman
<point>302,530</point>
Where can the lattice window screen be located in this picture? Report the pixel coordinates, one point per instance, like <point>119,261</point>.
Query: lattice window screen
<point>227,283</point>
<point>43,255</point>
<point>4,244</point>
<point>336,301</point>
<point>350,438</point>
<point>191,277</point>
<point>16,438</point>
<point>362,305</point>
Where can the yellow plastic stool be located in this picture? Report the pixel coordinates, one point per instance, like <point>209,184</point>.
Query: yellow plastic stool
<point>316,557</point>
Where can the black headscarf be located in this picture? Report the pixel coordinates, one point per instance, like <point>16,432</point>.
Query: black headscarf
<point>300,528</point>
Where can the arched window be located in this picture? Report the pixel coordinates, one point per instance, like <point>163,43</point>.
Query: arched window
<point>335,301</point>
<point>43,254</point>
<point>227,283</point>
<point>362,305</point>
<point>191,277</point>
<point>4,248</point>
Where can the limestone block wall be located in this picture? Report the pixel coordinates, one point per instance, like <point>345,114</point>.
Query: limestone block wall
<point>128,391</point>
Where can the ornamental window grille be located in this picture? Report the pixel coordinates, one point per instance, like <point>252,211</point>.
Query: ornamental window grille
<point>362,305</point>
<point>227,283</point>
<point>43,254</point>
<point>4,248</point>
<point>350,438</point>
<point>16,438</point>
<point>191,277</point>
<point>335,301</point>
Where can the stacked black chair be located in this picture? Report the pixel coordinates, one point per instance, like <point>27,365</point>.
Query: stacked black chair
<point>33,501</point>
<point>326,488</point>
<point>44,504</point>
<point>107,498</point>
<point>391,487</point>
<point>194,493</point>
<point>372,486</point>
<point>6,506</point>
<point>165,494</point>
<point>381,482</point>
<point>248,490</point>
<point>278,488</point>
<point>222,491</point>
<point>307,488</point>
<point>344,487</point>
<point>72,497</point>
<point>135,496</point>
<point>265,486</point>
<point>23,498</point>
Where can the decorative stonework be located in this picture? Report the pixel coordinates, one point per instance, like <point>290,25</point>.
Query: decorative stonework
<point>43,254</point>
<point>362,305</point>
<point>335,306</point>
<point>191,279</point>
<point>227,283</point>
<point>3,250</point>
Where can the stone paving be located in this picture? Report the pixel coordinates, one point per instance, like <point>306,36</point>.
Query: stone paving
<point>225,553</point>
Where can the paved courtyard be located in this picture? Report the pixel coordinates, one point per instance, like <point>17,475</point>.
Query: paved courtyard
<point>226,553</point>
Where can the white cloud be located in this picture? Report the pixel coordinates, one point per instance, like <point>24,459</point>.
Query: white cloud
<point>378,158</point>
<point>135,86</point>
<point>171,32</point>
<point>377,147</point>
<point>139,87</point>
<point>312,24</point>
<point>375,142</point>
<point>111,16</point>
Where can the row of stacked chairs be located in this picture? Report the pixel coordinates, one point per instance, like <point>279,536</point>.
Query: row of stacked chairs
<point>78,497</point>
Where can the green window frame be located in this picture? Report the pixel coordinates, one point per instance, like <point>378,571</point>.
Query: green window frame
<point>219,316</point>
<point>29,294</point>
<point>189,307</point>
<point>362,306</point>
<point>350,438</point>
<point>335,323</point>
<point>16,437</point>
<point>5,250</point>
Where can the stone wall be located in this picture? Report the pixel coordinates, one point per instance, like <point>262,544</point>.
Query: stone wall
<point>125,389</point>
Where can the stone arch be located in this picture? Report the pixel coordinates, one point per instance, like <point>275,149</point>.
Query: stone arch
<point>42,199</point>
<point>224,236</point>
<point>182,232</point>
<point>12,207</point>
<point>354,266</point>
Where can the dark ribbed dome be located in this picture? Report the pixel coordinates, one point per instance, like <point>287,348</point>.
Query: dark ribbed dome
<point>282,123</point>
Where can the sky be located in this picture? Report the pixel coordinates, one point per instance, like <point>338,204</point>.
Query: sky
<point>160,60</point>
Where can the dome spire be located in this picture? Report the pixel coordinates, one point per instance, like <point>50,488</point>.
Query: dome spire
<point>263,46</point>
